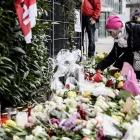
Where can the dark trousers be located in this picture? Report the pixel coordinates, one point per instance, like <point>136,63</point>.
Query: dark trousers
<point>90,28</point>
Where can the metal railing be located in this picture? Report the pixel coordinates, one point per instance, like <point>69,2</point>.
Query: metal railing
<point>58,32</point>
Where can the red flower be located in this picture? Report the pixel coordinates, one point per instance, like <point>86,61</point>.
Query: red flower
<point>90,77</point>
<point>97,78</point>
<point>82,113</point>
<point>109,83</point>
<point>100,135</point>
<point>51,133</point>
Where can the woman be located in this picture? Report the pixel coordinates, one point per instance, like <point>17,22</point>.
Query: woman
<point>126,44</point>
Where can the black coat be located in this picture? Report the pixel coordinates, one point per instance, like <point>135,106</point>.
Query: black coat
<point>118,55</point>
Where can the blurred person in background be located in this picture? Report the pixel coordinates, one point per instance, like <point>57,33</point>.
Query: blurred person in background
<point>90,13</point>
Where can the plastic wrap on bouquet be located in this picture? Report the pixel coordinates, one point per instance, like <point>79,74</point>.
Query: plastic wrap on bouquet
<point>131,83</point>
<point>109,127</point>
<point>133,132</point>
<point>56,85</point>
<point>66,67</point>
<point>71,82</point>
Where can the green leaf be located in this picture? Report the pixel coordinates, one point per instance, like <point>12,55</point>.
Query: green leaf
<point>25,74</point>
<point>124,94</point>
<point>19,50</point>
<point>23,133</point>
<point>5,58</point>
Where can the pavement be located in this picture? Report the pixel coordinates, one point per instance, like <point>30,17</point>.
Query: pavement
<point>101,45</point>
<point>104,45</point>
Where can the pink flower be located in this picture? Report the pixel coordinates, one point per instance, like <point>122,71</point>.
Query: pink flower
<point>67,86</point>
<point>85,138</point>
<point>70,123</point>
<point>31,120</point>
<point>55,121</point>
<point>27,125</point>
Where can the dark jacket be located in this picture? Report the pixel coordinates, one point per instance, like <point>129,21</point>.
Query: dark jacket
<point>120,55</point>
<point>89,10</point>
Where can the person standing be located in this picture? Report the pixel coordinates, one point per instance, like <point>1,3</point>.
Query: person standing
<point>90,13</point>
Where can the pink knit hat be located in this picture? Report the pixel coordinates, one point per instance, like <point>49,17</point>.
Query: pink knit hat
<point>114,22</point>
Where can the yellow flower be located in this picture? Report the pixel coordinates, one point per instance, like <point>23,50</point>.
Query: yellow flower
<point>87,95</point>
<point>101,57</point>
<point>11,123</point>
<point>117,118</point>
<point>71,94</point>
<point>104,53</point>
<point>79,121</point>
<point>97,52</point>
<point>117,75</point>
<point>120,84</point>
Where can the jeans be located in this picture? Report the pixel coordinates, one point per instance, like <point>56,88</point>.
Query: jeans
<point>90,28</point>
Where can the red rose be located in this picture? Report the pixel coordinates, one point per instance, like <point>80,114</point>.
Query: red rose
<point>82,113</point>
<point>97,78</point>
<point>51,133</point>
<point>90,77</point>
<point>109,83</point>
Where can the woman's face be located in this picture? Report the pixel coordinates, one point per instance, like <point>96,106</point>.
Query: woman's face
<point>113,33</point>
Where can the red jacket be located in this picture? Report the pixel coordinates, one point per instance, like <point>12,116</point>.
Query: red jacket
<point>89,10</point>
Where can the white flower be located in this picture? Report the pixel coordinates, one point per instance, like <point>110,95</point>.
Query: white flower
<point>86,131</point>
<point>72,110</point>
<point>71,103</point>
<point>38,108</point>
<point>97,110</point>
<point>104,80</point>
<point>112,104</point>
<point>121,78</point>
<point>58,100</point>
<point>65,138</point>
<point>92,70</point>
<point>126,125</point>
<point>121,102</point>
<point>91,123</point>
<point>102,104</point>
<point>30,137</point>
<point>137,97</point>
<point>52,103</point>
<point>110,92</point>
<point>38,130</point>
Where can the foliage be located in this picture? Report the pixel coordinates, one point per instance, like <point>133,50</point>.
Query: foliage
<point>24,68</point>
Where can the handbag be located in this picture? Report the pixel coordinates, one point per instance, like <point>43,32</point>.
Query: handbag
<point>136,61</point>
<point>136,58</point>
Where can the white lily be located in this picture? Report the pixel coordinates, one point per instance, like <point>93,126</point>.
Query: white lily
<point>86,131</point>
<point>30,137</point>
<point>38,130</point>
<point>65,138</point>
